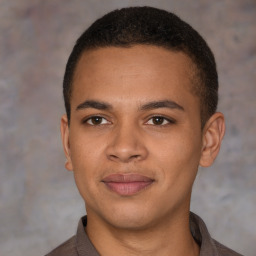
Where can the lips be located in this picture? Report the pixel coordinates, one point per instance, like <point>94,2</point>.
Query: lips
<point>127,184</point>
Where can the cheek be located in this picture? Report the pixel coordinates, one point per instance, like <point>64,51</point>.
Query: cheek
<point>86,168</point>
<point>84,150</point>
<point>179,155</point>
<point>85,157</point>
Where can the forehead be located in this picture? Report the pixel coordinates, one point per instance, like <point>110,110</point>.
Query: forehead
<point>148,70</point>
<point>129,56</point>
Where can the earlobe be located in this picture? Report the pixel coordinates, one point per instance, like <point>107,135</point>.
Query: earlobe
<point>213,134</point>
<point>64,127</point>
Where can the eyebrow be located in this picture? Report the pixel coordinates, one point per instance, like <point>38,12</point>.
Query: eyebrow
<point>161,104</point>
<point>94,104</point>
<point>148,106</point>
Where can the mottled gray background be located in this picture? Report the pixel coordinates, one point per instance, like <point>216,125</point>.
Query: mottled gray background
<point>39,203</point>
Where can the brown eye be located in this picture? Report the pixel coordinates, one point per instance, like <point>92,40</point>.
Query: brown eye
<point>158,120</point>
<point>96,120</point>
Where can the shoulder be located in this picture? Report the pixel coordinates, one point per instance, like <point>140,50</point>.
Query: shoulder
<point>225,251</point>
<point>66,248</point>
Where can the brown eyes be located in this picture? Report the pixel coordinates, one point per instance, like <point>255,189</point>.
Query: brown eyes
<point>158,120</point>
<point>155,120</point>
<point>96,120</point>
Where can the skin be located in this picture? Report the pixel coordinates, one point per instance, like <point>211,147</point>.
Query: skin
<point>163,142</point>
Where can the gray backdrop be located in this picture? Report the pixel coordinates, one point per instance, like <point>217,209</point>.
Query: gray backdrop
<point>39,203</point>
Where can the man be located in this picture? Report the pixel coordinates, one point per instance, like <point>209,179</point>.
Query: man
<point>141,92</point>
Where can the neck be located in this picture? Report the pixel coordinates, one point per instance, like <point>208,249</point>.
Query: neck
<point>172,236</point>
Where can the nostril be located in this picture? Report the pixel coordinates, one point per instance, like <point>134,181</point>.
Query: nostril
<point>124,158</point>
<point>113,156</point>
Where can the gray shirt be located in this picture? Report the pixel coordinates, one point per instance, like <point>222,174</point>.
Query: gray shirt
<point>80,245</point>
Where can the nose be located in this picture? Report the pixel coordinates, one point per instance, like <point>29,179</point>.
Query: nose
<point>126,145</point>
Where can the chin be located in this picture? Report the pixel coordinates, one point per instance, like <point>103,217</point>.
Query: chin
<point>129,222</point>
<point>129,217</point>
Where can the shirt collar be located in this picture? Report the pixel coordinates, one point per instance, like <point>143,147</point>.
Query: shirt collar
<point>197,226</point>
<point>83,244</point>
<point>201,235</point>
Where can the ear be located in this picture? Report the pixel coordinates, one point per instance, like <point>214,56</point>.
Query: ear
<point>64,128</point>
<point>213,134</point>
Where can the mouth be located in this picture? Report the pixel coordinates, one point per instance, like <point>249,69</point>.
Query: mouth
<point>127,184</point>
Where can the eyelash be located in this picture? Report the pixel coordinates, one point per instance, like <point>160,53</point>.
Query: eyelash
<point>86,121</point>
<point>166,121</point>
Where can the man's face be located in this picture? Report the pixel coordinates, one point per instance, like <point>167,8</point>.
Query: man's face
<point>134,141</point>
